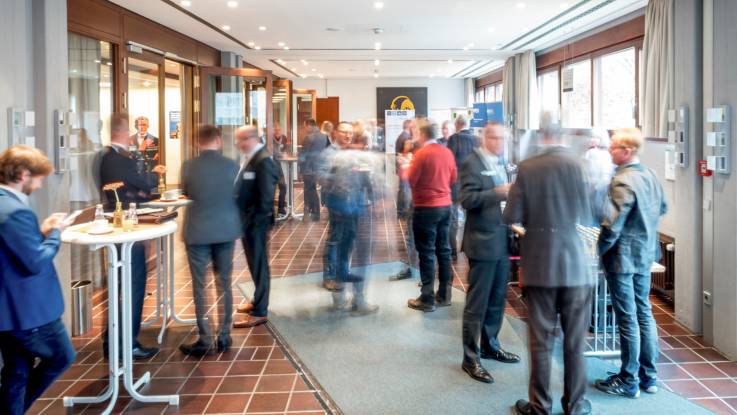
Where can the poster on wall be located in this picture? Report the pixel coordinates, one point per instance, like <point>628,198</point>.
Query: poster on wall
<point>394,119</point>
<point>175,125</point>
<point>229,109</point>
<point>400,99</point>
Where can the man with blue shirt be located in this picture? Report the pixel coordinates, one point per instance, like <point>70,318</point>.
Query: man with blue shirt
<point>628,245</point>
<point>31,303</point>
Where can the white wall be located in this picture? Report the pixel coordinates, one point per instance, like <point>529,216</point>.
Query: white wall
<point>358,96</point>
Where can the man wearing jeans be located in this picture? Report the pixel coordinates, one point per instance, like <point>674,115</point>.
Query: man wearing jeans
<point>34,344</point>
<point>628,245</point>
<point>431,175</point>
<point>211,225</point>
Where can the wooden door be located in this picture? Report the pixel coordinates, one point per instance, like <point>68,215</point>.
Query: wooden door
<point>328,109</point>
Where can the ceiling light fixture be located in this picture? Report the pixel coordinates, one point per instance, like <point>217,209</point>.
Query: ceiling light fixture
<point>304,62</point>
<point>491,29</point>
<point>377,46</point>
<point>251,44</point>
<point>376,75</point>
<point>320,76</point>
<point>450,61</point>
<point>262,28</point>
<point>280,61</point>
<point>314,70</point>
<point>281,44</point>
<point>225,27</point>
<point>377,62</point>
<point>379,5</point>
<point>521,5</point>
<point>185,3</point>
<point>257,47</point>
<point>294,69</point>
<point>303,75</point>
<point>232,4</point>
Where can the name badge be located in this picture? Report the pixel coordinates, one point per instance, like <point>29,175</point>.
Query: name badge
<point>249,175</point>
<point>488,173</point>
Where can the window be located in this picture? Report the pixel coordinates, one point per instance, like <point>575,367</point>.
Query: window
<point>548,88</point>
<point>479,95</point>
<point>576,95</point>
<point>489,94</point>
<point>614,91</point>
<point>499,90</point>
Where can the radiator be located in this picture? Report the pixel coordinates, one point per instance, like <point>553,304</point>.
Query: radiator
<point>663,283</point>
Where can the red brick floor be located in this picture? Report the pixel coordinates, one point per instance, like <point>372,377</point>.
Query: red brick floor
<point>259,375</point>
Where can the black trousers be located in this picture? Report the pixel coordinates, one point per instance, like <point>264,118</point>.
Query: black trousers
<point>282,184</point>
<point>138,291</point>
<point>257,257</point>
<point>312,198</point>
<point>484,310</point>
<point>221,255</point>
<point>574,306</point>
<point>430,226</point>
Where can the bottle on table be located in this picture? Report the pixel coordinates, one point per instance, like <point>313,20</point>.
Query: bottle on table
<point>131,218</point>
<point>100,216</point>
<point>118,215</point>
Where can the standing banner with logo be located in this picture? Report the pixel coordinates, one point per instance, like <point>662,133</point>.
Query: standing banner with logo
<point>400,99</point>
<point>394,119</point>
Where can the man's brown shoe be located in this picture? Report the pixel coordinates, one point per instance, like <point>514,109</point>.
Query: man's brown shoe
<point>250,321</point>
<point>244,308</point>
<point>332,285</point>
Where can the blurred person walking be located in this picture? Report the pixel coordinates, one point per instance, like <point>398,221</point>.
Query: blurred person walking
<point>35,346</point>
<point>549,200</point>
<point>628,245</point>
<point>254,187</point>
<point>446,132</point>
<point>313,145</point>
<point>211,225</point>
<point>404,161</point>
<point>462,144</point>
<point>484,186</point>
<point>280,146</point>
<point>431,175</point>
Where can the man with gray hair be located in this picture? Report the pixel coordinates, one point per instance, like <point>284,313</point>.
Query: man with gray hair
<point>255,187</point>
<point>461,144</point>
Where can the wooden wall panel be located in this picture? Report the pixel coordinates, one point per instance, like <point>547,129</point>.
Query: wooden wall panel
<point>138,29</point>
<point>490,78</point>
<point>328,109</point>
<point>95,18</point>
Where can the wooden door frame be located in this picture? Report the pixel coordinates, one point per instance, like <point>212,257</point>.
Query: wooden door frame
<point>313,92</point>
<point>160,61</point>
<point>206,71</point>
<point>286,83</point>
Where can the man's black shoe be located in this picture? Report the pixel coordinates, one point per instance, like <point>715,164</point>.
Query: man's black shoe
<point>522,407</point>
<point>197,349</point>
<point>501,355</point>
<point>140,352</point>
<point>582,407</point>
<point>477,372</point>
<point>402,275</point>
<point>442,302</point>
<point>418,304</point>
<point>224,343</point>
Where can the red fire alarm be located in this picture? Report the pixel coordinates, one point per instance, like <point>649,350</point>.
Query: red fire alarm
<point>703,170</point>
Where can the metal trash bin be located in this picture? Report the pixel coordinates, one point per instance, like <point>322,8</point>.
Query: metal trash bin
<point>81,307</point>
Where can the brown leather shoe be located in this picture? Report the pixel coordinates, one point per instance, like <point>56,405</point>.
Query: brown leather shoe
<point>332,285</point>
<point>250,321</point>
<point>244,308</point>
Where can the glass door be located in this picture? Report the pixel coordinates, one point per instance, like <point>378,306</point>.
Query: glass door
<point>233,97</point>
<point>304,104</point>
<point>282,109</point>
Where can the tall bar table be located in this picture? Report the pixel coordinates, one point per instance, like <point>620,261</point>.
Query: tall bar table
<point>291,163</point>
<point>165,286</point>
<point>78,235</point>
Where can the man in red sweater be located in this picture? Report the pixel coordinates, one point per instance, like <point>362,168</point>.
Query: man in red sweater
<point>431,174</point>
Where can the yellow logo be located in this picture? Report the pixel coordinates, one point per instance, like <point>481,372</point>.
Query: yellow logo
<point>402,102</point>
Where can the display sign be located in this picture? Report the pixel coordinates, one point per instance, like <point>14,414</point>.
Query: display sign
<point>486,112</point>
<point>229,109</point>
<point>401,99</point>
<point>567,84</point>
<point>175,118</point>
<point>394,120</point>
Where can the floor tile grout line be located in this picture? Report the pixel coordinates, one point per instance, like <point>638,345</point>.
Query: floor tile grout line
<point>260,376</point>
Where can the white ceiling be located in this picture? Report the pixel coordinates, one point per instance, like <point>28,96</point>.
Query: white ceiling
<point>419,36</point>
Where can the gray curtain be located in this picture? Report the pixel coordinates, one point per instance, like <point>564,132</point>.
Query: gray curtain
<point>508,92</point>
<point>658,65</point>
<point>526,97</point>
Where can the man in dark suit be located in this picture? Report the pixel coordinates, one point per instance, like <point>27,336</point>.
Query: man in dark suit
<point>486,244</point>
<point>34,344</point>
<point>550,199</point>
<point>211,225</point>
<point>313,145</point>
<point>461,144</point>
<point>146,150</point>
<point>118,165</point>
<point>628,245</point>
<point>280,148</point>
<point>255,187</point>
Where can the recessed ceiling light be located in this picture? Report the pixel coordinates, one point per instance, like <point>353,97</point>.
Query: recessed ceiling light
<point>303,75</point>
<point>251,44</point>
<point>281,61</point>
<point>320,76</point>
<point>232,4</point>
<point>286,47</point>
<point>74,71</point>
<point>564,6</point>
<point>257,47</point>
<point>450,61</point>
<point>225,27</point>
<point>185,3</point>
<point>378,4</point>
<point>491,29</point>
<point>281,44</point>
<point>262,28</point>
<point>304,62</point>
<point>294,69</point>
<point>377,45</point>
<point>376,75</point>
<point>521,5</point>
<point>314,70</point>
<point>377,62</point>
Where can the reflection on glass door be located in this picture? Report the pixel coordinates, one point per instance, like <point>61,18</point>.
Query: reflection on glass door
<point>144,98</point>
<point>304,104</point>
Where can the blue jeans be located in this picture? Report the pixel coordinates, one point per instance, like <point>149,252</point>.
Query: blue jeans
<point>637,330</point>
<point>20,382</point>
<point>430,226</point>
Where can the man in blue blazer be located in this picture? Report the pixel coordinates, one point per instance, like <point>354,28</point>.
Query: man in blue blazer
<point>31,303</point>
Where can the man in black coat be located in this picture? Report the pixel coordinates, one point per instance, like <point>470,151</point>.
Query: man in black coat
<point>486,244</point>
<point>313,146</point>
<point>254,188</point>
<point>118,165</point>
<point>461,144</point>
